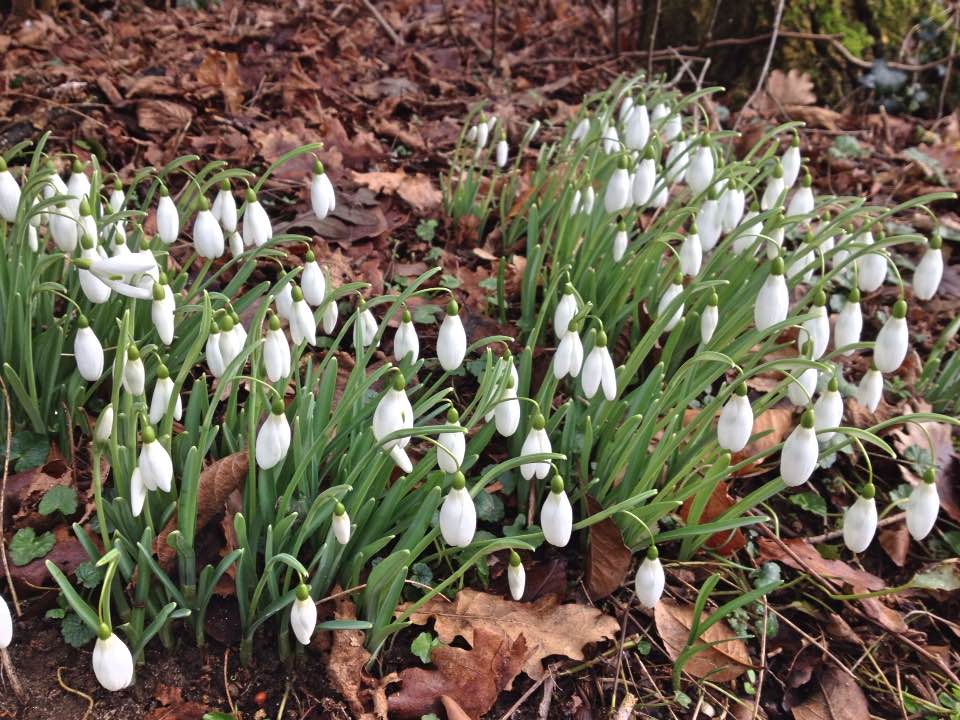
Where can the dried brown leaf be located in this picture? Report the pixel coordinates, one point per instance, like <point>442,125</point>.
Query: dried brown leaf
<point>608,559</point>
<point>776,423</point>
<point>791,88</point>
<point>725,543</point>
<point>163,116</point>
<point>922,435</point>
<point>417,190</point>
<point>801,555</point>
<point>220,70</point>
<point>345,667</point>
<point>724,656</point>
<point>549,627</point>
<point>895,542</point>
<point>837,697</point>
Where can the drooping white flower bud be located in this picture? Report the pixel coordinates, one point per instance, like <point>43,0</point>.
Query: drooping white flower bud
<point>483,132</point>
<point>161,311</point>
<point>872,267</point>
<point>802,203</point>
<point>451,339</point>
<point>611,140</point>
<point>736,421</point>
<point>802,262</point>
<point>644,179</point>
<point>87,351</point>
<point>773,300</point>
<point>801,388</point>
<point>678,158</point>
<point>565,311</point>
<point>393,413</point>
<point>341,524</point>
<point>257,230</point>
<point>94,288</point>
<point>537,441</point>
<point>162,395</point>
<point>828,411</point>
<point>9,193</point>
<point>156,467</point>
<point>368,325</point>
<point>303,326</point>
<point>626,109</point>
<point>516,576</point>
<point>774,189</point>
<point>709,221</point>
<point>672,128</point>
<point>860,521</point>
<point>870,389</point>
<point>923,506</point>
<point>568,358</point>
<point>673,291</point>
<point>502,151</point>
<point>133,373</point>
<point>618,193</point>
<point>78,184</point>
<point>929,271</point>
<point>451,446</point>
<point>224,208</point>
<point>6,625</point>
<point>817,328</point>
<point>231,344</point>
<point>581,130</point>
<point>620,242</point>
<point>104,426</point>
<point>138,492</point>
<point>273,439</point>
<point>235,243</point>
<point>849,323</point>
<point>699,172</point>
<point>64,228</point>
<point>208,237</point>
<point>405,341</point>
<point>710,319</point>
<point>168,219</point>
<point>893,341</point>
<point>330,314</point>
<point>212,351</point>
<point>112,660</point>
<point>458,515</point>
<point>322,197</point>
<point>117,196</point>
<point>732,204</point>
<point>598,370</point>
<point>791,161</point>
<point>556,515</point>
<point>798,458</point>
<point>660,111</point>
<point>284,301</point>
<point>691,253</point>
<point>637,129</point>
<point>748,229</point>
<point>276,351</point>
<point>589,198</point>
<point>507,410</point>
<point>650,579</point>
<point>303,615</point>
<point>312,282</point>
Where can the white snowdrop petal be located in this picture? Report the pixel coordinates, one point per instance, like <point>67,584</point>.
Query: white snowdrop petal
<point>798,458</point>
<point>556,519</point>
<point>649,582</point>
<point>458,518</point>
<point>112,663</point>
<point>860,524</point>
<point>303,619</point>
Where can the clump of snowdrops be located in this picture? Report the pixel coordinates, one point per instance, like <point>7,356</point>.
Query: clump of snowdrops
<point>234,355</point>
<point>643,231</point>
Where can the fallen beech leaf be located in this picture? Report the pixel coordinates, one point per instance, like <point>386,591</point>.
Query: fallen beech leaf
<point>810,559</point>
<point>452,708</point>
<point>417,190</point>
<point>216,484</point>
<point>944,456</point>
<point>888,618</point>
<point>549,627</point>
<point>473,678</point>
<point>345,667</point>
<point>791,88</point>
<point>220,70</point>
<point>725,543</point>
<point>724,656</point>
<point>895,541</point>
<point>776,423</point>
<point>608,559</point>
<point>837,697</point>
<point>163,116</point>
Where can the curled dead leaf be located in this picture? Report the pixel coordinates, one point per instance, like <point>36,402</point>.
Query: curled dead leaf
<point>608,559</point>
<point>837,697</point>
<point>723,656</point>
<point>801,555</point>
<point>725,543</point>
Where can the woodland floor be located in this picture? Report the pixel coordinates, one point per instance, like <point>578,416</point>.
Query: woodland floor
<point>247,82</point>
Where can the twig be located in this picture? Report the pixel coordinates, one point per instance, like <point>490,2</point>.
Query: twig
<point>763,663</point>
<point>78,693</point>
<point>616,28</point>
<point>653,40</point>
<point>766,63</point>
<point>549,685</point>
<point>226,684</point>
<point>397,40</point>
<point>950,57</point>
<point>833,535</point>
<point>3,496</point>
<point>12,674</point>
<point>626,707</point>
<point>513,708</point>
<point>493,35</point>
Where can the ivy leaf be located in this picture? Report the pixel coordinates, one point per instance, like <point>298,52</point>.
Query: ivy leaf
<point>59,497</point>
<point>809,501</point>
<point>489,507</point>
<point>27,546</point>
<point>29,449</point>
<point>426,314</point>
<point>427,229</point>
<point>423,645</point>
<point>421,573</point>
<point>89,575</point>
<point>75,631</point>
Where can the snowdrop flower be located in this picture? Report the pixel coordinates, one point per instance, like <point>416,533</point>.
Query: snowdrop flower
<point>284,301</point>
<point>322,197</point>
<point>929,271</point>
<point>790,161</point>
<point>451,339</point>
<point>620,241</point>
<point>207,234</point>
<point>773,300</point>
<point>618,194</point>
<point>94,288</point>
<point>78,184</point>
<point>611,141</point>
<point>471,136</point>
<point>88,226</point>
<point>677,160</point>
<point>650,580</point>
<point>672,128</point>
<point>566,310</point>
<point>891,346</point>
<point>736,421</point>
<point>637,129</point>
<point>568,359</point>
<point>673,291</point>
<point>303,615</point>
<point>168,219</point>
<point>156,467</point>
<point>775,235</point>
<point>589,198</point>
<point>303,326</point>
<point>849,323</point>
<point>161,312</point>
<point>660,111</point>
<point>691,253</point>
<point>33,241</point>
<point>6,625</point>
<point>104,426</point>
<point>581,130</point>
<point>330,314</point>
<point>860,521</point>
<point>749,229</point>
<point>923,506</point>
<point>575,203</point>
<point>537,441</point>
<point>87,351</point>
<point>516,576</point>
<point>458,515</point>
<point>453,445</point>
<point>138,492</point>
<point>502,150</point>
<point>405,341</point>
<point>212,351</point>
<point>626,108</point>
<point>802,202</point>
<point>732,204</point>
<point>9,194</point>
<point>393,413</point>
<point>774,189</point>
<point>644,179</point>
<point>63,228</point>
<point>133,374</point>
<point>238,328</point>
<point>800,390</point>
<point>257,229</point>
<point>276,351</point>
<point>231,344</point>
<point>817,328</point>
<point>368,325</point>
<point>798,458</point>
<point>235,243</point>
<point>801,263</point>
<point>112,660</point>
<point>483,133</point>
<point>709,319</point>
<point>162,394</point>
<point>556,515</point>
<point>870,390</point>
<point>699,173</point>
<point>507,410</point>
<point>872,267</point>
<point>828,411</point>
<point>224,208</point>
<point>273,439</point>
<point>341,524</point>
<point>660,199</point>
<point>598,370</point>
<point>312,282</point>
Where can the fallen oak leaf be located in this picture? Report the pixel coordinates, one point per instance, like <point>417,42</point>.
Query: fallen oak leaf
<point>548,627</point>
<point>723,656</point>
<point>472,678</point>
<point>417,190</point>
<point>345,666</point>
